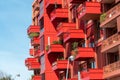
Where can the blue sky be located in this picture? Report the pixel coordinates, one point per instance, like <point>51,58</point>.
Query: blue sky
<point>15,17</point>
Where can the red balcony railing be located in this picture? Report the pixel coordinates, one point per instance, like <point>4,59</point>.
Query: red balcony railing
<point>37,53</point>
<point>74,35</point>
<point>84,53</point>
<point>111,70</point>
<point>110,42</point>
<point>89,10</point>
<point>34,65</point>
<point>92,74</point>
<point>50,4</point>
<point>107,19</point>
<point>59,65</point>
<point>32,29</point>
<point>35,41</point>
<point>59,14</point>
<point>55,48</point>
<point>31,52</point>
<point>64,27</point>
<point>30,60</point>
<point>36,77</point>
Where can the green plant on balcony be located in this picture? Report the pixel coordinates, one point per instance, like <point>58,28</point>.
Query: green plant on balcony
<point>74,48</point>
<point>102,17</point>
<point>34,34</point>
<point>47,47</point>
<point>60,58</point>
<point>57,42</point>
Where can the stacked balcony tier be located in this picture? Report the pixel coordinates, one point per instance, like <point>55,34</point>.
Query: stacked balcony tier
<point>51,4</point>
<point>108,19</point>
<point>36,77</point>
<point>89,10</point>
<point>111,70</point>
<point>60,65</point>
<point>84,53</point>
<point>35,41</point>
<point>59,14</point>
<point>64,27</point>
<point>33,31</point>
<point>55,48</point>
<point>92,74</point>
<point>32,63</point>
<point>74,35</point>
<point>110,43</point>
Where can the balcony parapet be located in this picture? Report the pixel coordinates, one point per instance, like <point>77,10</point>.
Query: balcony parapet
<point>89,10</point>
<point>111,70</point>
<point>110,42</point>
<point>109,16</point>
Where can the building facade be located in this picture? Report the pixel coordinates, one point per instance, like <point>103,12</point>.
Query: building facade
<point>87,30</point>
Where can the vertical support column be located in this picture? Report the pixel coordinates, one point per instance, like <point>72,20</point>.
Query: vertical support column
<point>119,51</point>
<point>118,24</point>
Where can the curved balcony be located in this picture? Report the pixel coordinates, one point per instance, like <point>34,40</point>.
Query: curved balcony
<point>89,10</point>
<point>64,27</point>
<point>74,35</point>
<point>35,41</point>
<point>84,53</point>
<point>36,77</point>
<point>60,65</point>
<point>59,14</point>
<point>33,31</point>
<point>108,19</point>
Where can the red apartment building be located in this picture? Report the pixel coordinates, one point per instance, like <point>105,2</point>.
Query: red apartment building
<point>88,30</point>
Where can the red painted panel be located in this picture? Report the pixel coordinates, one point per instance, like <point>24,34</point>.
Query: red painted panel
<point>31,52</point>
<point>36,77</point>
<point>85,53</point>
<point>64,27</point>
<point>89,10</point>
<point>60,64</point>
<point>32,29</point>
<point>92,74</point>
<point>60,13</point>
<point>56,48</point>
<point>35,41</point>
<point>73,35</point>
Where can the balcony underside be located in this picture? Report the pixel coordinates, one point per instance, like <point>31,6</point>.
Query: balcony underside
<point>74,35</point>
<point>77,1</point>
<point>60,65</point>
<point>85,54</point>
<point>89,16</point>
